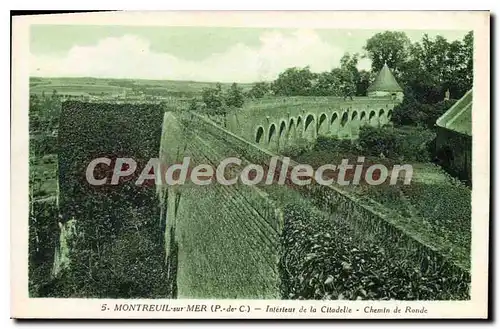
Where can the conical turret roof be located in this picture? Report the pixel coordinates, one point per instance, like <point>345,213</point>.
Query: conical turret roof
<point>459,117</point>
<point>385,81</point>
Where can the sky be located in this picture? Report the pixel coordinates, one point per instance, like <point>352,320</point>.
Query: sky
<point>193,53</point>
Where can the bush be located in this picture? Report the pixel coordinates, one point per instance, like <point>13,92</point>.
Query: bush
<point>218,102</point>
<point>434,111</point>
<point>294,82</point>
<point>299,147</point>
<point>213,97</point>
<point>323,257</point>
<point>234,97</point>
<point>412,112</point>
<point>404,143</point>
<point>43,143</point>
<point>194,105</point>
<point>333,144</point>
<point>43,239</point>
<point>378,141</point>
<point>259,90</point>
<point>409,112</point>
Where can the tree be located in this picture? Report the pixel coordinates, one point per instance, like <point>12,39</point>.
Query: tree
<point>328,83</point>
<point>193,105</point>
<point>294,82</point>
<point>434,111</point>
<point>213,97</point>
<point>412,112</point>
<point>434,66</point>
<point>465,71</point>
<point>388,47</point>
<point>349,75</point>
<point>234,97</point>
<point>409,112</point>
<point>376,141</point>
<point>364,81</point>
<point>259,90</point>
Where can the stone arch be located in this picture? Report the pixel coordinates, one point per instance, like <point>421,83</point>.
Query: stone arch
<point>259,135</point>
<point>372,119</point>
<point>389,115</point>
<point>272,139</point>
<point>344,120</point>
<point>282,128</point>
<point>381,117</point>
<point>334,123</point>
<point>310,127</point>
<point>299,128</point>
<point>334,118</point>
<point>282,134</point>
<point>362,116</point>
<point>355,123</point>
<point>323,124</point>
<point>291,129</point>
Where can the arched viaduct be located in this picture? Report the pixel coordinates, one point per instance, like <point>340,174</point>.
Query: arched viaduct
<point>277,127</point>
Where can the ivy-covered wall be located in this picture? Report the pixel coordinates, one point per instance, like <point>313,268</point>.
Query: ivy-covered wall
<point>222,239</point>
<point>110,241</point>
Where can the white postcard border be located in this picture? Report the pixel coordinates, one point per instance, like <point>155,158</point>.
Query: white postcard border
<point>24,307</point>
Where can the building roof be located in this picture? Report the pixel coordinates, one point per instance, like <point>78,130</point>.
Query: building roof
<point>459,117</point>
<point>385,81</point>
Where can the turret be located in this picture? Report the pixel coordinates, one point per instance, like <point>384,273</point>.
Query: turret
<point>385,85</point>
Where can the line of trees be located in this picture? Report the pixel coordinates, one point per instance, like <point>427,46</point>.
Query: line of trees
<point>346,81</point>
<point>216,100</point>
<point>426,70</point>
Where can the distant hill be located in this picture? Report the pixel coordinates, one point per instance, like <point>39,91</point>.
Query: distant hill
<point>89,86</point>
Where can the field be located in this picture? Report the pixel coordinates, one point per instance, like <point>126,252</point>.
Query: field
<point>117,87</point>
